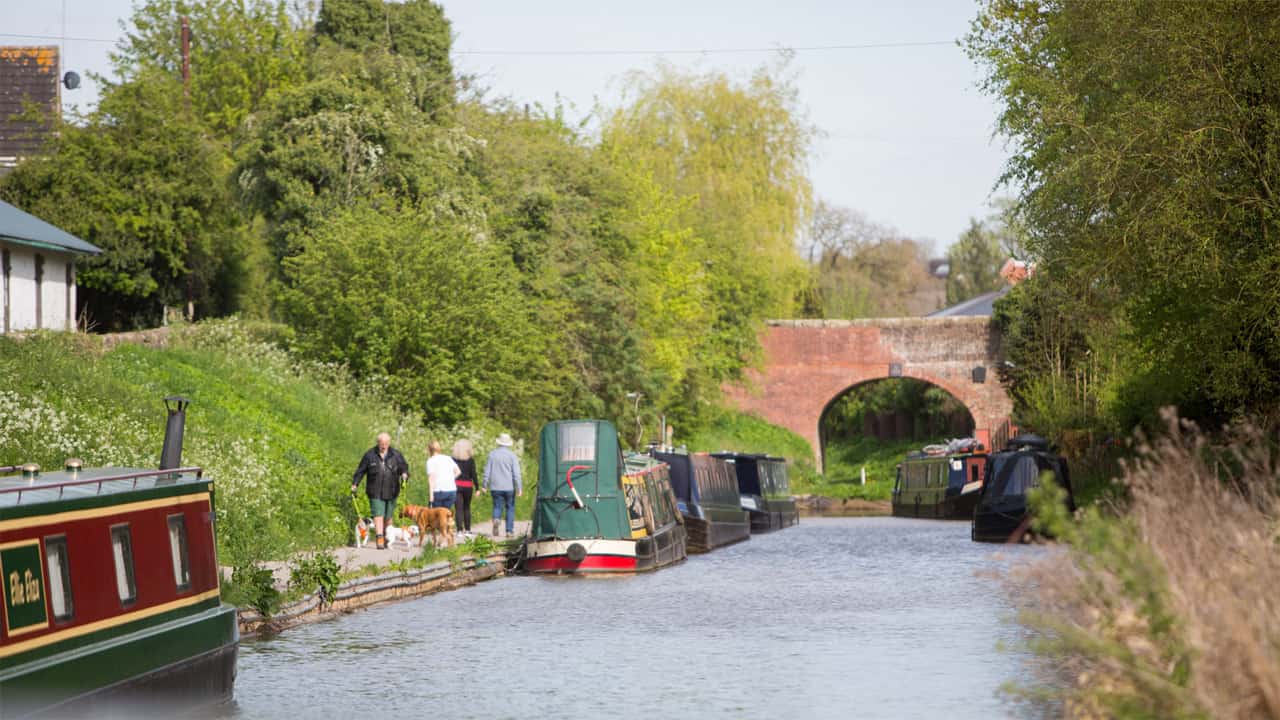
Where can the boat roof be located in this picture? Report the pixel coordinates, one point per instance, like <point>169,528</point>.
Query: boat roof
<point>62,486</point>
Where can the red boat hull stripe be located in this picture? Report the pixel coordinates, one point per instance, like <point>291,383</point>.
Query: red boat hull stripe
<point>555,563</point>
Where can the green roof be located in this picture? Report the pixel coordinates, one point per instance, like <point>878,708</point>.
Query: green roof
<point>26,229</point>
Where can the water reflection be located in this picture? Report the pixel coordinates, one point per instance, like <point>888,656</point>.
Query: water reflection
<point>867,617</point>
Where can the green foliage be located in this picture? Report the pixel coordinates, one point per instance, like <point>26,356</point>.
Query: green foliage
<point>844,460</point>
<point>316,572</point>
<point>279,438</point>
<point>739,151</point>
<point>416,30</point>
<point>928,412</point>
<point>975,261</point>
<point>144,182</point>
<point>420,301</point>
<point>1145,139</point>
<point>253,586</point>
<point>241,51</point>
<point>480,546</point>
<point>731,430</point>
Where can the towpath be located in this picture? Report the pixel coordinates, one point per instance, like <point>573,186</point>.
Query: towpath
<point>353,558</point>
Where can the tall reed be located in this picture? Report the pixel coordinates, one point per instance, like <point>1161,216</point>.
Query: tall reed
<point>1167,606</point>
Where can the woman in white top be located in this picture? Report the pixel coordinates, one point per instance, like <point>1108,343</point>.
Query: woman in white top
<point>441,472</point>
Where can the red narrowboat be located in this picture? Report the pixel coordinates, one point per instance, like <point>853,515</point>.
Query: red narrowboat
<point>111,592</point>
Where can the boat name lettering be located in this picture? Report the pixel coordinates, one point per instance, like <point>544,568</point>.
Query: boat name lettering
<point>23,588</point>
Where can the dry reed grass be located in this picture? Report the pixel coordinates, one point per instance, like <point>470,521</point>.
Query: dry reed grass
<point>1170,606</point>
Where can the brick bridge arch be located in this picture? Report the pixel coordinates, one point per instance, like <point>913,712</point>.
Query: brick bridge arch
<point>809,363</point>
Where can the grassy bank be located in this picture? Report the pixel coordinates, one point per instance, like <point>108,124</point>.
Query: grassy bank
<point>845,461</point>
<point>280,438</point>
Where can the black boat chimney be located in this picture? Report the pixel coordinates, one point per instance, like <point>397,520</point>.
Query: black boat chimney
<point>171,454</point>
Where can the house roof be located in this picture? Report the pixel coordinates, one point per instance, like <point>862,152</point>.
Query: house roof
<point>28,77</point>
<point>26,229</point>
<point>983,305</point>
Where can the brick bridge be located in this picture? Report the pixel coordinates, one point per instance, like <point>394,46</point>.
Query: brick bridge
<point>808,364</point>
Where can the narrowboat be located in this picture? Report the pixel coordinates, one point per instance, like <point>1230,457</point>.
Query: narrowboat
<point>763,490</point>
<point>596,512</point>
<point>706,491</point>
<point>942,482</point>
<point>1002,513</point>
<point>111,593</point>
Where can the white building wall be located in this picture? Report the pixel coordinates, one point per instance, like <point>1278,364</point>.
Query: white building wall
<point>53,305</point>
<point>22,289</point>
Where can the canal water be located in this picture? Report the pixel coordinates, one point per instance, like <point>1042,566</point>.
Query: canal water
<point>834,618</point>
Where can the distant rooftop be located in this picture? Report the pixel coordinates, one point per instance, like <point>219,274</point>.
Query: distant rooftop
<point>28,80</point>
<point>26,229</point>
<point>982,305</point>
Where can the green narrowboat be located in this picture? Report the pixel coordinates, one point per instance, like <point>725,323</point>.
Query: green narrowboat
<point>596,512</point>
<point>944,484</point>
<point>111,593</point>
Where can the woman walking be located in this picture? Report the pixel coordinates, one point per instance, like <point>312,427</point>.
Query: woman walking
<point>466,483</point>
<point>442,471</point>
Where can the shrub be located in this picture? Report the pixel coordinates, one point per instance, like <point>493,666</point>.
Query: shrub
<point>316,572</point>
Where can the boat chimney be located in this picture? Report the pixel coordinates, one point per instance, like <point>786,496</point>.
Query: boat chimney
<point>171,454</point>
<point>73,466</point>
<point>30,472</point>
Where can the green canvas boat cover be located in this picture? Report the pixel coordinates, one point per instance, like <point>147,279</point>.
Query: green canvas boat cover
<point>587,453</point>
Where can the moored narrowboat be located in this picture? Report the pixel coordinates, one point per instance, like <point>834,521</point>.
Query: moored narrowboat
<point>596,512</point>
<point>111,592</point>
<point>1002,514</point>
<point>763,490</point>
<point>943,482</point>
<point>706,491</point>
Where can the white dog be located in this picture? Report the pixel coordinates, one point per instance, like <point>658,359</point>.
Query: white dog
<point>405,535</point>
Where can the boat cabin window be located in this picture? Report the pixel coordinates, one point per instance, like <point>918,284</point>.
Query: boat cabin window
<point>178,552</point>
<point>55,555</point>
<point>577,442</point>
<point>122,549</point>
<point>635,506</point>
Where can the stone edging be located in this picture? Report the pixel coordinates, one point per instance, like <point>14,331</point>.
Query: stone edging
<point>368,591</point>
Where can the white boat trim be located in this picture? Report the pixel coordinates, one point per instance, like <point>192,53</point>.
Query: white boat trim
<point>594,546</point>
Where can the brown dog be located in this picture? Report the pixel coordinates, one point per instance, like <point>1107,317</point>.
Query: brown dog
<point>437,521</point>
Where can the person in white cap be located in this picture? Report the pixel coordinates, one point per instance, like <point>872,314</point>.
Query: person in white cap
<point>502,478</point>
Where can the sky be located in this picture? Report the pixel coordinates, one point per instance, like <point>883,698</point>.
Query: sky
<point>906,135</point>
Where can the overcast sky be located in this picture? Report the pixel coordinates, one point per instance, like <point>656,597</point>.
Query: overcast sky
<point>907,133</point>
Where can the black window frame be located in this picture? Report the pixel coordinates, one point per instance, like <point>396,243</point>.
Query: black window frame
<point>65,579</point>
<point>184,547</point>
<point>131,575</point>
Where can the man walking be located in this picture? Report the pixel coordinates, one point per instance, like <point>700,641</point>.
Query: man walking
<point>502,478</point>
<point>386,471</point>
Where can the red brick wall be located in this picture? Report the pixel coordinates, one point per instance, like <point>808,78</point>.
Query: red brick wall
<point>809,363</point>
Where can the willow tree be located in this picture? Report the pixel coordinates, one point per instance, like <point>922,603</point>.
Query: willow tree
<point>737,153</point>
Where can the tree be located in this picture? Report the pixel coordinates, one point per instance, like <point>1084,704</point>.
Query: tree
<point>974,261</point>
<point>241,52</point>
<point>1146,140</point>
<point>738,152</point>
<point>860,268</point>
<point>421,300</point>
<point>142,180</point>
